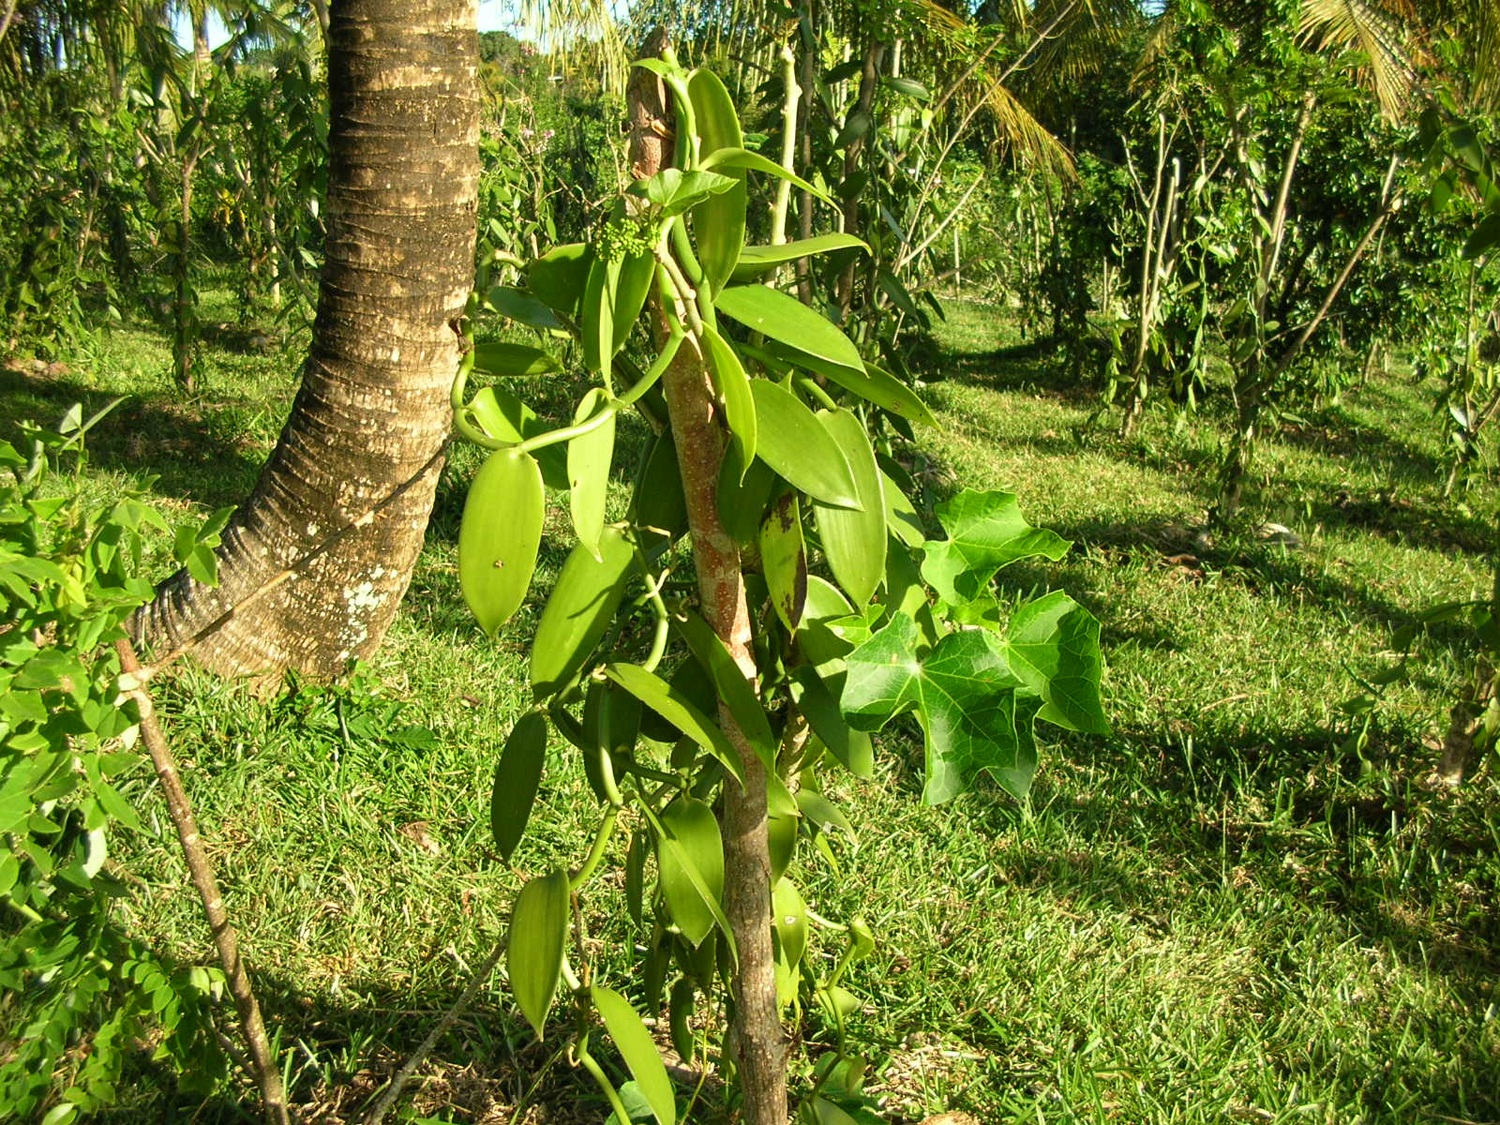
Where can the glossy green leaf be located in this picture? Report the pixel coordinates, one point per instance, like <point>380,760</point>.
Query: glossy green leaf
<point>683,1001</point>
<point>1052,646</point>
<point>966,699</point>
<point>690,859</point>
<point>596,315</point>
<point>1485,237</point>
<point>658,503</point>
<point>673,706</point>
<point>638,1050</point>
<point>557,278</point>
<point>795,444</point>
<point>790,919</point>
<point>632,285</point>
<point>734,388</point>
<point>674,191</point>
<point>854,539</point>
<point>582,605</point>
<point>908,86</point>
<point>825,603</point>
<point>856,125</point>
<point>538,935</point>
<point>871,383</point>
<point>718,222</point>
<point>783,559</point>
<point>741,158</point>
<point>743,494</point>
<point>517,777</point>
<point>781,841</point>
<point>785,319</point>
<point>757,261</point>
<point>589,459</point>
<point>901,513</point>
<point>522,307</point>
<point>986,531</point>
<point>819,810</point>
<point>735,692</point>
<point>820,706</point>
<point>499,536</point>
<point>611,724</point>
<point>505,417</point>
<point>508,360</point>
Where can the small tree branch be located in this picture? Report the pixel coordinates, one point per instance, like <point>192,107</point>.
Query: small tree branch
<point>201,869</point>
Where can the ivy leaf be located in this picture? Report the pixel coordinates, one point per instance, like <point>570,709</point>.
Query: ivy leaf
<point>965,696</point>
<point>674,191</point>
<point>985,532</point>
<point>1052,646</point>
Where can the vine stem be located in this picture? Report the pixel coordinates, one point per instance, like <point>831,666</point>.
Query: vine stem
<point>202,872</point>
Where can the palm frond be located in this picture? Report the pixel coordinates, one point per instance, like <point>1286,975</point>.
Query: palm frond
<point>1375,34</point>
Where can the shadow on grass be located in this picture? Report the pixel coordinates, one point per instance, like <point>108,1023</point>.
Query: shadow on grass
<point>338,1057</point>
<point>181,443</point>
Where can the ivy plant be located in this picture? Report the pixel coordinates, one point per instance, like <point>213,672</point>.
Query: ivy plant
<point>729,641</point>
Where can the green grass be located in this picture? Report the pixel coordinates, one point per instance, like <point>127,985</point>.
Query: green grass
<point>1214,915</point>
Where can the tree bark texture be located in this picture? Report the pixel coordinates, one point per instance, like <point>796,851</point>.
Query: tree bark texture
<point>757,1041</point>
<point>372,409</point>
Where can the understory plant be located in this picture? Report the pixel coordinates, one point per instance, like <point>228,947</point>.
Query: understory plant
<point>721,651</point>
<point>78,992</point>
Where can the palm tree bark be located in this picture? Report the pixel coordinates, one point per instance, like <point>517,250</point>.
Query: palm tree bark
<point>372,411</point>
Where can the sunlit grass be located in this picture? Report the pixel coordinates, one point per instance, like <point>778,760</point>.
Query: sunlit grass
<point>1217,914</point>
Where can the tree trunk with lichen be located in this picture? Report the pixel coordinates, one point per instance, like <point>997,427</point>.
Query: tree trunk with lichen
<point>757,1042</point>
<point>372,412</point>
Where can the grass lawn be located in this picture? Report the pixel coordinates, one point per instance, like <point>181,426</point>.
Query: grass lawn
<point>1216,914</point>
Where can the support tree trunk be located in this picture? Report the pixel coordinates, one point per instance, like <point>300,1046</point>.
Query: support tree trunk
<point>372,410</point>
<point>757,1041</point>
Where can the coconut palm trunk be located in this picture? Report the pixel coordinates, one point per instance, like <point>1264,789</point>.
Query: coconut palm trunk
<point>372,415</point>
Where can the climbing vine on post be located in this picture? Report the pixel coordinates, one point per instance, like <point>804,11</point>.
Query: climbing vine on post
<point>768,601</point>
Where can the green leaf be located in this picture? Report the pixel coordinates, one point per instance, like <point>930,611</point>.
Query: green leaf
<point>718,223</point>
<point>757,261</point>
<point>902,513</point>
<point>743,494</point>
<point>908,86</point>
<point>638,1050</point>
<point>518,305</point>
<point>500,535</point>
<point>1486,237</point>
<point>1052,645</point>
<point>965,696</point>
<point>505,417</point>
<point>690,859</point>
<point>783,559</point>
<point>735,692</point>
<point>734,387</point>
<point>854,539</point>
<point>821,811</point>
<point>674,191</point>
<point>985,532</point>
<point>658,503</point>
<point>538,935</point>
<point>581,607</point>
<point>790,920</point>
<point>825,603</point>
<point>787,320</point>
<point>517,776</point>
<point>871,383</point>
<point>611,725</point>
<point>558,277</point>
<point>755,162</point>
<point>794,443</point>
<point>818,704</point>
<point>855,127</point>
<point>590,456</point>
<point>509,360</point>
<point>673,706</point>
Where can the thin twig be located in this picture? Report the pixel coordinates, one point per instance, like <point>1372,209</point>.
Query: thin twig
<point>202,872</point>
<point>419,1056</point>
<point>326,544</point>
